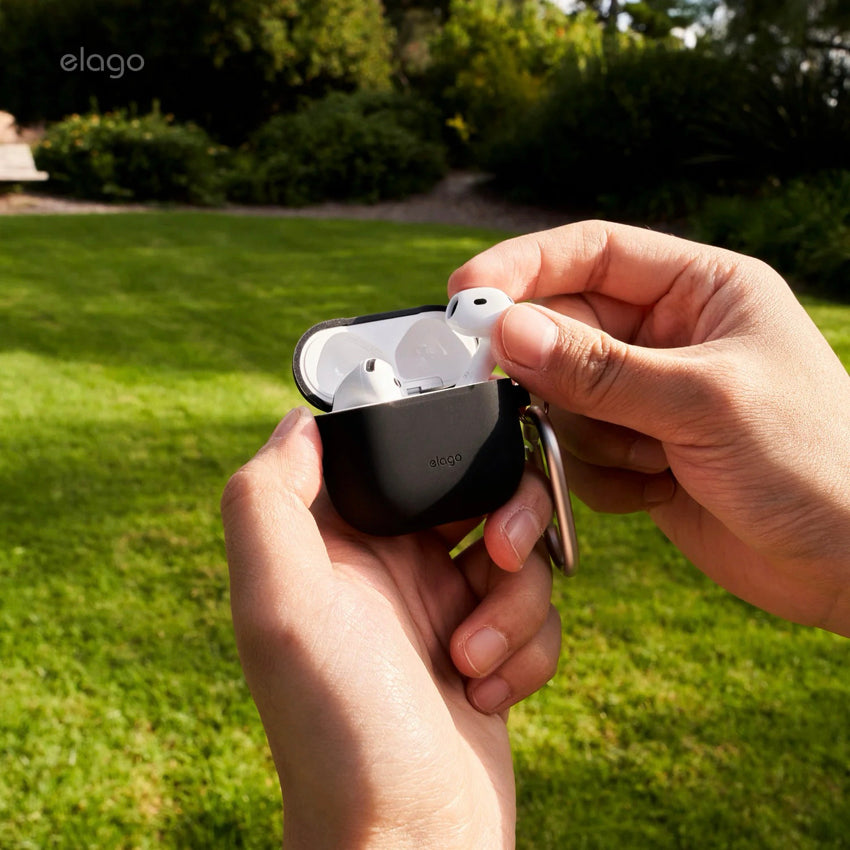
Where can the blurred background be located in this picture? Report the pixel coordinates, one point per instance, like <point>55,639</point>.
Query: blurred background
<point>727,120</point>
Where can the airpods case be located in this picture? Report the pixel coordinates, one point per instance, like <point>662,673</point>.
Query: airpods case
<point>438,454</point>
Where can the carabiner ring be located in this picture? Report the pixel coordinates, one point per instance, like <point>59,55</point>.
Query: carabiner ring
<point>560,536</point>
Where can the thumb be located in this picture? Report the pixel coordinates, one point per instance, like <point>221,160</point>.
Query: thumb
<point>587,371</point>
<point>274,549</point>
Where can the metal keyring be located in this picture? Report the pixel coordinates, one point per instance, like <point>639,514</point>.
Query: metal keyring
<point>560,535</point>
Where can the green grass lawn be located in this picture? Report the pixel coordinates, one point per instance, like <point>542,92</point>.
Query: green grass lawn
<point>143,358</point>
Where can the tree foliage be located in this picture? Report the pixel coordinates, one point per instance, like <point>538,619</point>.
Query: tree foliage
<point>226,63</point>
<point>653,130</point>
<point>655,19</point>
<point>801,228</point>
<point>492,59</point>
<point>804,29</point>
<point>593,101</point>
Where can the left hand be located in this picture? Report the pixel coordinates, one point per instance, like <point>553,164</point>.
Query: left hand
<point>381,667</point>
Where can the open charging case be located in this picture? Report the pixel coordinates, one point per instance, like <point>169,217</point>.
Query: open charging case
<point>441,453</point>
<point>438,454</point>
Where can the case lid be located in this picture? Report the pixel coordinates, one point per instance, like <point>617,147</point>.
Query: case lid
<point>425,353</point>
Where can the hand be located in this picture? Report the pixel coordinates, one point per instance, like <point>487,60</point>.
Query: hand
<point>688,382</point>
<point>367,657</point>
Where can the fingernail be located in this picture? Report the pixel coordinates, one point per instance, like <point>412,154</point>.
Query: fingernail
<point>522,531</point>
<point>528,336</point>
<point>485,649</point>
<point>490,694</point>
<point>647,455</point>
<point>288,422</point>
<point>659,488</point>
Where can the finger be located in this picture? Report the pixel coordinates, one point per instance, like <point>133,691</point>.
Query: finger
<point>514,528</point>
<point>658,392</point>
<point>623,321</point>
<point>274,549</point>
<point>602,444</point>
<point>511,531</point>
<point>617,491</point>
<point>630,264</point>
<point>513,608</point>
<point>525,672</point>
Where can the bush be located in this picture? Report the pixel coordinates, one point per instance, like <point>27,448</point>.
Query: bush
<point>801,229</point>
<point>225,64</point>
<point>363,146</point>
<point>613,131</point>
<point>119,157</point>
<point>650,131</point>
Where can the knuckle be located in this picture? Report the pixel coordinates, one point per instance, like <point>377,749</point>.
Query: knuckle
<point>596,242</point>
<point>532,493</point>
<point>599,366</point>
<point>537,498</point>
<point>588,367</point>
<point>526,617</point>
<point>548,649</point>
<point>244,491</point>
<point>534,482</point>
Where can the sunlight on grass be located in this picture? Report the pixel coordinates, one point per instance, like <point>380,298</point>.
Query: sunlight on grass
<point>144,358</point>
<point>833,320</point>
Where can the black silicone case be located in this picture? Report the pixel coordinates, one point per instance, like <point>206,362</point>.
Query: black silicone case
<point>427,459</point>
<point>408,465</point>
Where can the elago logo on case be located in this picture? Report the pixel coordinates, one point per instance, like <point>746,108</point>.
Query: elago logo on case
<point>448,460</point>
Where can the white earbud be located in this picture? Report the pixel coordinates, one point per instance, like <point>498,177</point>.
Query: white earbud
<point>373,381</point>
<point>473,312</point>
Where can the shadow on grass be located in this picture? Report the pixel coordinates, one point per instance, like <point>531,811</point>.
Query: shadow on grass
<point>201,292</point>
<point>767,772</point>
<point>158,362</point>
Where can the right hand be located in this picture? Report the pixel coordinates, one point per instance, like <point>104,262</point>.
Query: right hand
<point>688,381</point>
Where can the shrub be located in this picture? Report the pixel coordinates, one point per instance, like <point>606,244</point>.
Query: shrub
<point>802,229</point>
<point>119,157</point>
<point>616,129</point>
<point>225,64</point>
<point>653,130</point>
<point>363,146</point>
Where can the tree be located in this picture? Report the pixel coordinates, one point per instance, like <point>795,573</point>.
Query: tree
<point>492,58</point>
<point>416,23</point>
<point>655,19</point>
<point>227,64</point>
<point>817,31</point>
<point>658,18</point>
<point>806,46</point>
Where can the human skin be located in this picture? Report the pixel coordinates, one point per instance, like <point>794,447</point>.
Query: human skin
<point>685,381</point>
<point>688,381</point>
<point>381,667</point>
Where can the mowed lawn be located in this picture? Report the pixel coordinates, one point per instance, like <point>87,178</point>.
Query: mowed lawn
<point>143,358</point>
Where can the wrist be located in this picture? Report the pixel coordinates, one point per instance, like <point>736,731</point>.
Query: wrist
<point>327,829</point>
<point>837,618</point>
<point>835,554</point>
<point>306,835</point>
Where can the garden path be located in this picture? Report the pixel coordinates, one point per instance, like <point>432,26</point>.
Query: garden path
<point>460,198</point>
